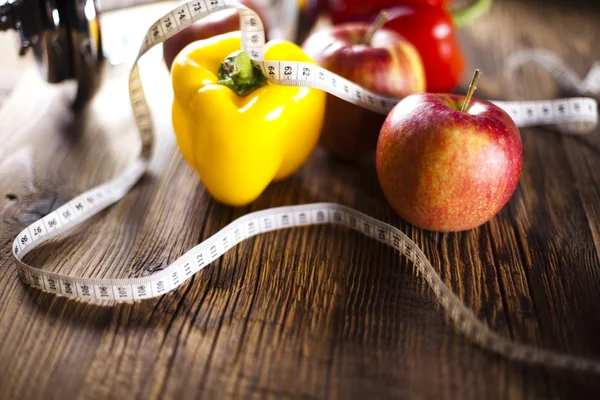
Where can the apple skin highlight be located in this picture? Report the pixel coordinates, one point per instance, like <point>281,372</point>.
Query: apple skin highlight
<point>446,170</point>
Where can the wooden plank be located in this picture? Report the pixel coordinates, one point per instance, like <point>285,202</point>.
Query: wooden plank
<point>318,312</point>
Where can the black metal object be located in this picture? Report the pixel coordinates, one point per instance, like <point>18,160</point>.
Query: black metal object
<point>64,36</point>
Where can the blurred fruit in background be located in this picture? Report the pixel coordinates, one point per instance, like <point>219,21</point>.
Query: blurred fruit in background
<point>216,24</point>
<point>308,13</point>
<point>287,19</point>
<point>427,24</point>
<point>379,60</point>
<point>431,30</point>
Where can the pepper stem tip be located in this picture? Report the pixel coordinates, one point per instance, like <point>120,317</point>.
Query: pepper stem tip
<point>239,74</point>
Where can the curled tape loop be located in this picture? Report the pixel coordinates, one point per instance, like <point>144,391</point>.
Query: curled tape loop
<point>563,75</point>
<point>158,283</point>
<point>568,110</point>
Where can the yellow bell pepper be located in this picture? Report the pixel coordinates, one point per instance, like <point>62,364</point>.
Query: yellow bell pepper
<point>238,144</point>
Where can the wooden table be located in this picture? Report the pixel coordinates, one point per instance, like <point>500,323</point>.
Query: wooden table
<point>319,312</point>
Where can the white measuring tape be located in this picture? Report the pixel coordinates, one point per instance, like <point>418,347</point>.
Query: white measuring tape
<point>566,78</point>
<point>285,73</point>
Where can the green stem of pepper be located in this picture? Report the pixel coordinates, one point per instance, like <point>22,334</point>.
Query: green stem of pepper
<point>467,15</point>
<point>239,74</point>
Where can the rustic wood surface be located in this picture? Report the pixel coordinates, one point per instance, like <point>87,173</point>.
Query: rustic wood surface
<point>318,312</point>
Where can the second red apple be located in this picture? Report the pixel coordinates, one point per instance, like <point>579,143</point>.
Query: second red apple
<point>379,60</point>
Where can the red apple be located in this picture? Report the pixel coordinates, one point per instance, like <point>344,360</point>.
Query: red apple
<point>443,169</point>
<point>215,24</point>
<point>386,65</point>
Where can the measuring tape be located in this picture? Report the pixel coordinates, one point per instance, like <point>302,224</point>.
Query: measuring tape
<point>93,201</point>
<point>567,79</point>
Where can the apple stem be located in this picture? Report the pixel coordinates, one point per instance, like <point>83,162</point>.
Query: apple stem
<point>381,19</point>
<point>472,87</point>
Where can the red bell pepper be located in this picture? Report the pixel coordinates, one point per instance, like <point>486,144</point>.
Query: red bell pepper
<point>427,25</point>
<point>431,31</point>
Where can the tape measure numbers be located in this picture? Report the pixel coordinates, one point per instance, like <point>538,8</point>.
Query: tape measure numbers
<point>93,201</point>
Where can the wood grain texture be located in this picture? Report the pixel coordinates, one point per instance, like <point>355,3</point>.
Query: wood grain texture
<point>317,312</point>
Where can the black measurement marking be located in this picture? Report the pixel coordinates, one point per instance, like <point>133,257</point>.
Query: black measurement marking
<point>408,249</point>
<point>85,291</point>
<point>302,218</point>
<point>52,284</point>
<point>337,216</point>
<point>396,241</point>
<point>268,223</point>
<point>200,260</point>
<point>367,228</point>
<point>36,280</point>
<point>68,287</point>
<point>187,269</point>
<point>320,216</point>
<point>352,221</point>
